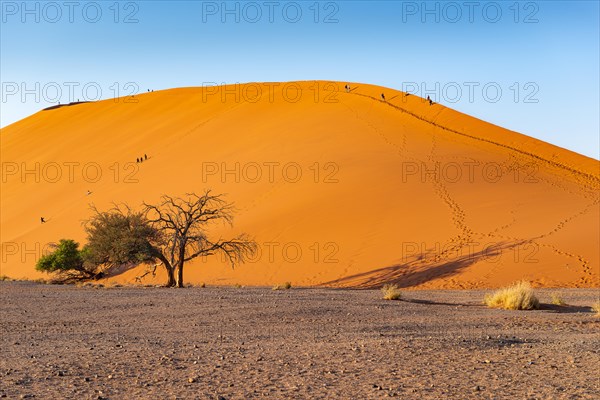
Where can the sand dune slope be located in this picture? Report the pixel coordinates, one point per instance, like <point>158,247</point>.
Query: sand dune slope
<point>337,188</point>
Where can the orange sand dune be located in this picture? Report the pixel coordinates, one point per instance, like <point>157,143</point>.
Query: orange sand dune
<point>338,189</point>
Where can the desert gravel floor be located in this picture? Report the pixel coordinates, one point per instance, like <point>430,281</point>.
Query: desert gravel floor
<point>245,343</point>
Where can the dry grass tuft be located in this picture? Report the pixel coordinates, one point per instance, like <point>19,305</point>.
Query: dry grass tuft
<point>596,308</point>
<point>519,296</point>
<point>93,285</point>
<point>4,278</point>
<point>391,292</point>
<point>557,299</point>
<point>285,286</point>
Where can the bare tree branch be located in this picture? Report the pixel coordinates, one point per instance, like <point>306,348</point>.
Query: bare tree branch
<point>184,221</point>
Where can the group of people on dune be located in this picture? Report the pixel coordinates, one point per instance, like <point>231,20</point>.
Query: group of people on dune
<point>348,90</point>
<point>428,98</point>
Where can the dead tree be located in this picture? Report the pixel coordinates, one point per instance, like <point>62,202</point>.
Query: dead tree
<point>183,223</point>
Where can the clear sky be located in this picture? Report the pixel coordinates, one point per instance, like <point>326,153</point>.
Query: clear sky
<point>528,66</point>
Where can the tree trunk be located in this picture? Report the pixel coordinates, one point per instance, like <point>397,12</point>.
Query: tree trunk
<point>180,275</point>
<point>171,276</point>
<point>180,262</point>
<point>170,270</point>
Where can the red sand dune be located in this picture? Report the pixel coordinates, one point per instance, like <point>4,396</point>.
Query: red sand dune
<point>338,189</point>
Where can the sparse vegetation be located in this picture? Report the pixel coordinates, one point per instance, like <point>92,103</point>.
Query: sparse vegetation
<point>391,292</point>
<point>519,296</point>
<point>4,278</point>
<point>170,233</point>
<point>194,285</point>
<point>237,286</point>
<point>90,285</point>
<point>69,262</point>
<point>284,286</point>
<point>557,299</point>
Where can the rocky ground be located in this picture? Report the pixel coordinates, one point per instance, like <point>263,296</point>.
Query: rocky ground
<point>245,343</point>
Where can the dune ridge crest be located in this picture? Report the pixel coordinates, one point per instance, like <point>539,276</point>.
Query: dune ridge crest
<point>338,188</point>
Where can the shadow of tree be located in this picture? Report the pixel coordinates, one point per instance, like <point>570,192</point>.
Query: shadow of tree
<point>566,309</point>
<point>423,267</point>
<point>115,270</point>
<point>440,303</point>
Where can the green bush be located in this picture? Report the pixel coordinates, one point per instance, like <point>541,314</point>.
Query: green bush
<point>65,257</point>
<point>68,261</point>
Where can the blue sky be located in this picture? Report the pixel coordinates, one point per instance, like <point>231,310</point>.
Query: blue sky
<point>529,66</point>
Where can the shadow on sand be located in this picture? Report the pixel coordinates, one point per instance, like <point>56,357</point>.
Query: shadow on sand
<point>64,105</point>
<point>425,267</point>
<point>565,309</point>
<point>440,303</point>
